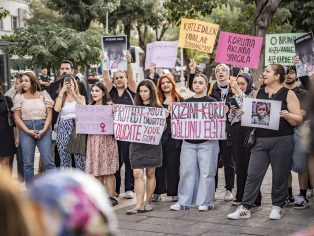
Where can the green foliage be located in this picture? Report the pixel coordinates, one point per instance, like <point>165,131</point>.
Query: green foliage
<point>49,44</point>
<point>302,14</point>
<point>190,8</point>
<point>3,13</point>
<point>80,13</point>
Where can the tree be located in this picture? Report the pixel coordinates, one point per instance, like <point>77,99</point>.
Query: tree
<point>141,15</point>
<point>3,13</point>
<point>265,9</point>
<point>80,13</point>
<point>48,44</point>
<point>302,14</point>
<point>190,8</point>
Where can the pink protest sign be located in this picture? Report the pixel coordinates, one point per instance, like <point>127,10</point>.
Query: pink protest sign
<point>94,119</point>
<point>139,124</point>
<point>239,50</point>
<point>198,120</point>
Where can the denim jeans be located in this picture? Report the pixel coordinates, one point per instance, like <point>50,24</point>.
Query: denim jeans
<point>29,144</point>
<point>198,165</point>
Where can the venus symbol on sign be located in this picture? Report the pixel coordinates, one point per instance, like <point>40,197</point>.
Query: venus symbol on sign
<point>102,127</point>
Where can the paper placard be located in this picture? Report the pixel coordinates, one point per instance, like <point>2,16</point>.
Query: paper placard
<point>94,119</point>
<point>139,124</point>
<point>199,35</point>
<point>162,53</point>
<point>304,47</point>
<point>279,48</point>
<point>239,50</point>
<point>198,120</point>
<point>114,50</point>
<point>261,113</point>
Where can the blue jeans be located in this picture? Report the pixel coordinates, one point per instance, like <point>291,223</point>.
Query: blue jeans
<point>198,165</point>
<point>29,144</point>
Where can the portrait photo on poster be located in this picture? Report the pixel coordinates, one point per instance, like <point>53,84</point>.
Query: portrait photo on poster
<point>114,50</point>
<point>260,113</point>
<point>304,47</point>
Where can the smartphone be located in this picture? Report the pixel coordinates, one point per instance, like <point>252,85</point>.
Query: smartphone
<point>132,52</point>
<point>67,80</point>
<point>233,102</point>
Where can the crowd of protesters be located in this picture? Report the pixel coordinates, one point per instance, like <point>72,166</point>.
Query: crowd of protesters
<point>185,170</point>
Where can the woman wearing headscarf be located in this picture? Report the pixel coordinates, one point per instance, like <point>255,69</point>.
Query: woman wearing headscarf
<point>222,92</point>
<point>243,88</point>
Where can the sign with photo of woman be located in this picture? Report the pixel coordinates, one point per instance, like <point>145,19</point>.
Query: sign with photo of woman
<point>261,113</point>
<point>304,47</point>
<point>114,50</point>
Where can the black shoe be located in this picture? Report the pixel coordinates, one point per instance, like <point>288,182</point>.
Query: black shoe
<point>301,202</point>
<point>114,201</point>
<point>156,198</point>
<point>289,202</point>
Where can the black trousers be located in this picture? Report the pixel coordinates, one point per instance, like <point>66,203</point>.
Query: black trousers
<point>167,176</point>
<point>123,148</point>
<point>241,156</point>
<point>225,153</point>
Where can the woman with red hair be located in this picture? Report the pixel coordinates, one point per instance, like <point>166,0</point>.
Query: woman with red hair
<point>167,176</point>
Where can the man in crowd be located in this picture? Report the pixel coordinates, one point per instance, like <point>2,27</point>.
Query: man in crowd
<point>44,79</point>
<point>299,157</point>
<point>122,90</point>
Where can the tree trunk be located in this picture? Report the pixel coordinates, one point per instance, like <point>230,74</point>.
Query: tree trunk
<point>265,9</point>
<point>127,31</point>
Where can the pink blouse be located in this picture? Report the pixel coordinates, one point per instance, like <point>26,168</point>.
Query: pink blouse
<point>33,109</point>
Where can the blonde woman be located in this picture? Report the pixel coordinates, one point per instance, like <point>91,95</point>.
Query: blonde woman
<point>68,97</point>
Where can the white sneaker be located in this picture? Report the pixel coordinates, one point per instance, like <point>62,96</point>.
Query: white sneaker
<point>205,208</point>
<point>228,196</point>
<point>178,207</point>
<point>129,195</point>
<point>276,213</point>
<point>240,213</point>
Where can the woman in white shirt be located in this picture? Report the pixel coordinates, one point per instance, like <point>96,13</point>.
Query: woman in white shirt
<point>68,97</point>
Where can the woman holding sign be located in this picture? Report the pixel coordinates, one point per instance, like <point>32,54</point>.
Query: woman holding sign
<point>243,87</point>
<point>167,176</point>
<point>198,162</point>
<point>102,158</point>
<point>68,97</point>
<point>145,156</point>
<point>274,147</point>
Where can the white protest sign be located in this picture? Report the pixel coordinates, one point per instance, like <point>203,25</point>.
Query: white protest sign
<point>198,120</point>
<point>261,113</point>
<point>139,124</point>
<point>162,53</point>
<point>94,119</point>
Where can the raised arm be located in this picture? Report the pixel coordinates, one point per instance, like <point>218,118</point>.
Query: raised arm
<point>131,80</point>
<point>105,74</point>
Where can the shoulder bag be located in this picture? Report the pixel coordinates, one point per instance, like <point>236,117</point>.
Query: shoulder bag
<point>77,143</point>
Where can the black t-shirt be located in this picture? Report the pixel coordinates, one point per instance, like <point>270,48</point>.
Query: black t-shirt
<point>4,124</point>
<point>202,99</point>
<point>44,79</point>
<point>126,98</point>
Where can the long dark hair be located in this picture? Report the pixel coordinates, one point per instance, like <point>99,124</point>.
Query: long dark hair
<point>154,101</point>
<point>106,97</point>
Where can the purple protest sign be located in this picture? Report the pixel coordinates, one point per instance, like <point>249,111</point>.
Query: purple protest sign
<point>239,50</point>
<point>162,54</point>
<point>94,119</point>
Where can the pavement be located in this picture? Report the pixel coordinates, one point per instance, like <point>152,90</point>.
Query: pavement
<point>162,221</point>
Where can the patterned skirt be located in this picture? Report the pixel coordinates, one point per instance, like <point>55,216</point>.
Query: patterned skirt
<point>102,156</point>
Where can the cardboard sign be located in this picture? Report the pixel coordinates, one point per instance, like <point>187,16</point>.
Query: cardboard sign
<point>304,47</point>
<point>114,50</point>
<point>239,50</point>
<point>199,35</point>
<point>261,113</point>
<point>198,120</point>
<point>279,48</point>
<point>139,124</point>
<point>162,53</point>
<point>94,119</point>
